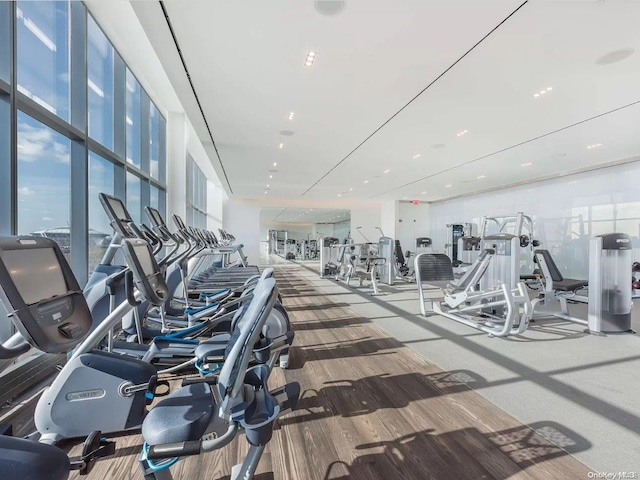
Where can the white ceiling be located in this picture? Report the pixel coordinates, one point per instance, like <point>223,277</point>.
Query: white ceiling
<point>359,109</point>
<point>273,215</point>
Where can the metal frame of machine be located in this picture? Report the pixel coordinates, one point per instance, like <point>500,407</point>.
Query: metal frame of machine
<point>465,304</point>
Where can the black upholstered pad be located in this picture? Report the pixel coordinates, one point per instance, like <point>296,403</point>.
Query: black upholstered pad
<point>569,285</point>
<point>528,277</point>
<point>182,416</point>
<point>27,460</point>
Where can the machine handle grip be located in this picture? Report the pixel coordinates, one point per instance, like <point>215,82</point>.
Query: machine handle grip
<point>7,353</point>
<point>129,288</point>
<point>182,449</point>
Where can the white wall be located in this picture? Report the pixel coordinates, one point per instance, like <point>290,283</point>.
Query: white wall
<point>413,222</point>
<point>601,201</point>
<point>368,218</point>
<point>242,220</point>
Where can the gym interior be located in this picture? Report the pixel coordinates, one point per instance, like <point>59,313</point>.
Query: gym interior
<point>326,239</point>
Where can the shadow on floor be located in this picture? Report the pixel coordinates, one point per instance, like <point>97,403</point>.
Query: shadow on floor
<point>351,398</point>
<point>450,455</point>
<point>331,324</point>
<point>327,351</point>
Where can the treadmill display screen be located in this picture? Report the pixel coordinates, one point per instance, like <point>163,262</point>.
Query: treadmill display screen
<point>36,273</point>
<point>157,218</point>
<point>118,209</point>
<point>144,257</point>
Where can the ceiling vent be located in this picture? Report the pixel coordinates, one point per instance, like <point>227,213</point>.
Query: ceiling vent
<point>330,7</point>
<point>615,56</point>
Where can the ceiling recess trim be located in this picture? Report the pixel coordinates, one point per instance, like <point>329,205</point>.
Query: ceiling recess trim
<point>193,88</point>
<point>450,67</point>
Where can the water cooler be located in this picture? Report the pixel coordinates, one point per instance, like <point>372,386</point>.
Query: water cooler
<point>609,293</point>
<point>386,250</point>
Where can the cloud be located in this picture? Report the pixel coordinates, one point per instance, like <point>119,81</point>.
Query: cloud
<point>26,191</point>
<point>38,143</point>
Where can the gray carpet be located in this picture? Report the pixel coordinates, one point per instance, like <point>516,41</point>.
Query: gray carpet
<point>588,385</point>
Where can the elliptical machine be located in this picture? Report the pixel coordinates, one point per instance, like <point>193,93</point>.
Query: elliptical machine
<point>46,305</point>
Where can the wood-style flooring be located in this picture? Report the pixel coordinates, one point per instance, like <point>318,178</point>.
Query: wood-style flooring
<point>371,409</point>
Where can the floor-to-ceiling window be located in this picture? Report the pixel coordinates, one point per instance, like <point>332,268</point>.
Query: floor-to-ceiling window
<point>44,182</point>
<point>196,195</point>
<point>74,121</point>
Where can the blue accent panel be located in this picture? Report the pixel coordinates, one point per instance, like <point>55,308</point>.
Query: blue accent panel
<point>193,311</point>
<point>184,331</point>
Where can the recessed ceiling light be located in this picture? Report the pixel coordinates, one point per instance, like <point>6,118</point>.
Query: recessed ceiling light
<point>542,92</point>
<point>268,186</point>
<point>291,114</point>
<point>281,145</point>
<point>387,171</point>
<point>462,133</point>
<point>275,164</point>
<point>311,57</point>
<point>417,155</point>
<point>265,191</point>
<point>528,164</point>
<point>270,176</point>
<point>595,145</point>
<point>366,181</point>
<point>481,176</point>
<point>448,186</point>
<point>339,195</point>
<point>423,193</point>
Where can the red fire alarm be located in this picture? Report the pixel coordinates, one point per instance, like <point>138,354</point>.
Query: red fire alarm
<point>416,202</point>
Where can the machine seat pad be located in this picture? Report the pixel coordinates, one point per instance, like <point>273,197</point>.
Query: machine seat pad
<point>182,416</point>
<point>570,285</point>
<point>28,460</point>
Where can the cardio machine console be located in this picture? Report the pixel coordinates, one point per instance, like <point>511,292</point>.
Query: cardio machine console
<point>118,215</point>
<point>41,294</point>
<point>148,277</point>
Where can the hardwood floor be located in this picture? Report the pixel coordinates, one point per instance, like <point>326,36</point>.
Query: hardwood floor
<point>373,409</point>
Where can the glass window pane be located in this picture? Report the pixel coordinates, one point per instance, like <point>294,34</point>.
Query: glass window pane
<point>101,180</point>
<point>602,212</point>
<point>44,189</point>
<point>154,197</point>
<point>133,119</point>
<point>43,54</point>
<point>100,85</point>
<point>628,210</point>
<point>630,227</point>
<point>154,141</point>
<point>162,147</point>
<point>162,203</point>
<point>5,44</point>
<point>134,196</point>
